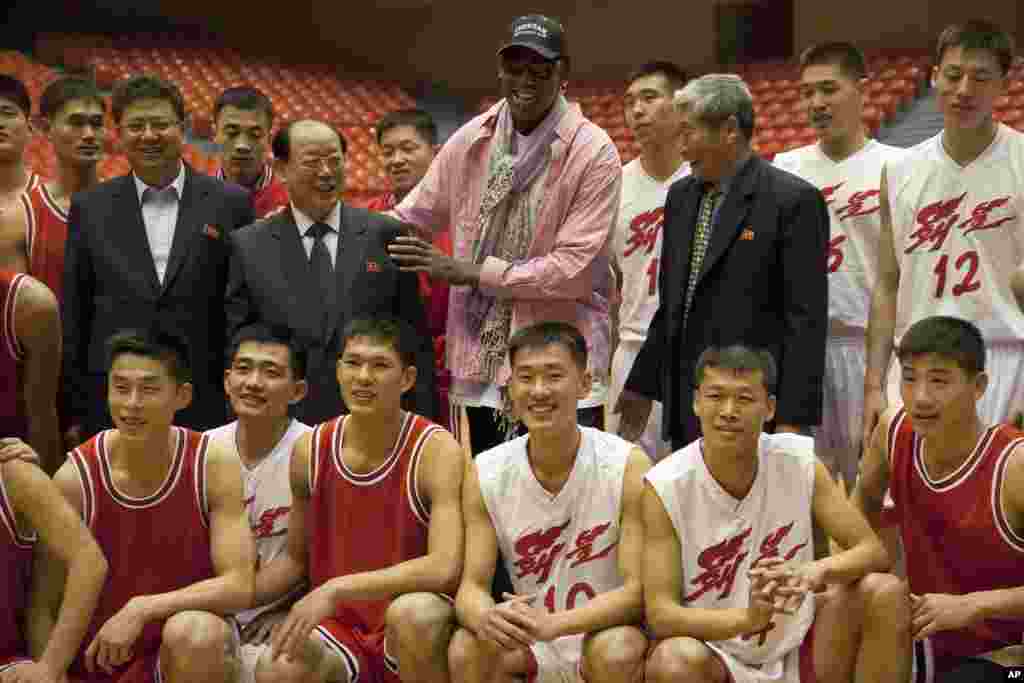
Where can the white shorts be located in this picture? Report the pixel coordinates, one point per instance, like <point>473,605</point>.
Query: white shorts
<point>837,441</point>
<point>650,440</point>
<point>557,661</point>
<point>1004,396</point>
<point>796,666</point>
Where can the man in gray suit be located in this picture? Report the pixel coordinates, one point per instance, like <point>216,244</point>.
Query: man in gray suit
<point>318,264</point>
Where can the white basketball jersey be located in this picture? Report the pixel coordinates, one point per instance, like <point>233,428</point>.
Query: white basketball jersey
<point>268,496</point>
<point>636,246</point>
<point>958,234</point>
<point>851,190</point>
<point>722,538</point>
<point>563,548</point>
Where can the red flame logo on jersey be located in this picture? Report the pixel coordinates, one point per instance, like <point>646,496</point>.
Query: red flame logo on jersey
<point>830,190</point>
<point>936,220</point>
<point>264,528</point>
<point>719,563</point>
<point>644,230</point>
<point>537,552</point>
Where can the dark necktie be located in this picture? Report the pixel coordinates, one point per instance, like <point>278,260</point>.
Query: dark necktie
<point>701,239</point>
<point>322,270</point>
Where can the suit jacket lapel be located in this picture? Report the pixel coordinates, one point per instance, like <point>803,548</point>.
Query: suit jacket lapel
<point>187,226</point>
<point>349,261</point>
<point>731,214</point>
<point>296,270</point>
<point>132,230</point>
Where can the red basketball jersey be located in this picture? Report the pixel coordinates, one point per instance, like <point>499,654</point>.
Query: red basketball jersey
<point>364,522</point>
<point>269,195</point>
<point>12,408</point>
<point>46,234</point>
<point>955,532</point>
<point>155,544</point>
<point>15,565</point>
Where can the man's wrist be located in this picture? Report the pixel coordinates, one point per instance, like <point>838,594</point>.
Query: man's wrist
<point>468,273</point>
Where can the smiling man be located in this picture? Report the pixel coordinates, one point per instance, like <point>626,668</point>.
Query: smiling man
<point>531,190</point>
<point>243,116</point>
<point>319,264</point>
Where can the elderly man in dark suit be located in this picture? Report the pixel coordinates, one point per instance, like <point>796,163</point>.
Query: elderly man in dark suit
<point>319,264</point>
<point>743,261</point>
<point>149,249</point>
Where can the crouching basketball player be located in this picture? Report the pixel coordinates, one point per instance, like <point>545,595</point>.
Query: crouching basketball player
<point>375,525</point>
<point>958,488</point>
<point>730,583</point>
<point>562,504</point>
<point>165,505</point>
<point>32,512</point>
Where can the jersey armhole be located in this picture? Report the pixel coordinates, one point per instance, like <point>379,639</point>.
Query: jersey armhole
<point>201,477</point>
<point>86,486</point>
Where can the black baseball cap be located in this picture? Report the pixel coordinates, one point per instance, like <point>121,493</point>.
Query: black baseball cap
<point>539,33</point>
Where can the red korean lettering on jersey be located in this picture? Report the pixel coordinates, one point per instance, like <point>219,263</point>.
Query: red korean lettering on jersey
<point>829,191</point>
<point>719,564</point>
<point>979,218</point>
<point>583,552</point>
<point>264,528</point>
<point>536,552</point>
<point>934,223</point>
<point>772,543</point>
<point>643,231</point>
<point>859,205</point>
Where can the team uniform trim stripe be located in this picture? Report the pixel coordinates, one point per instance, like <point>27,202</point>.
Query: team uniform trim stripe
<point>166,488</point>
<point>1012,538</point>
<point>314,456</point>
<point>11,519</point>
<point>962,473</point>
<point>31,224</point>
<point>13,346</point>
<point>389,661</point>
<point>199,477</point>
<point>88,486</point>
<point>384,469</point>
<point>351,662</point>
<point>894,430</point>
<point>10,665</point>
<point>412,489</point>
<point>52,204</point>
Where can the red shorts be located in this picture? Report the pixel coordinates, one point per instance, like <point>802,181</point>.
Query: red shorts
<point>365,654</point>
<point>142,669</point>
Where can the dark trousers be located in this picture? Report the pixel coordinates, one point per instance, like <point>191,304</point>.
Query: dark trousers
<point>485,433</point>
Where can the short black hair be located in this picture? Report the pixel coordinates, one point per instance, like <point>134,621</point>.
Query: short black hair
<point>977,34</point>
<point>246,98</point>
<point>673,74</point>
<point>547,333</point>
<point>155,343</point>
<point>14,90</point>
<point>738,358</point>
<point>68,89</point>
<point>394,332</point>
<point>298,356</point>
<point>846,56</point>
<point>948,337</point>
<point>416,118</point>
<point>146,87</point>
<point>281,145</point>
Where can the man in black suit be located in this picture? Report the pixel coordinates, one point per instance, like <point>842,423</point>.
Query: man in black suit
<point>149,248</point>
<point>318,264</point>
<point>743,262</point>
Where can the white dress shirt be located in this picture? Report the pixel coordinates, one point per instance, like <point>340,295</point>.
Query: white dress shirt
<point>333,221</point>
<point>160,214</point>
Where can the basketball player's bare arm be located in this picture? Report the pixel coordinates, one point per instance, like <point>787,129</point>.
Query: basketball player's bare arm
<point>476,610</point>
<point>38,329</point>
<point>935,612</point>
<point>882,318</point>
<point>663,586</point>
<point>13,229</point>
<point>873,480</point>
<point>624,605</point>
<point>64,538</point>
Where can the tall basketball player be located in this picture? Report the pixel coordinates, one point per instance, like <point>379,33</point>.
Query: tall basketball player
<point>952,234</point>
<point>33,513</point>
<point>846,165</point>
<point>731,587</point>
<point>15,177</point>
<point>165,505</point>
<point>562,506</point>
<point>957,483</point>
<point>375,526</point>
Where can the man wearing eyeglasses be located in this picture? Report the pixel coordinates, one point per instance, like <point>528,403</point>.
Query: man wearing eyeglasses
<point>318,264</point>
<point>149,248</point>
<point>531,189</point>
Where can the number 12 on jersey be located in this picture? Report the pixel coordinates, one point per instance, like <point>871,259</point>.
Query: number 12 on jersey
<point>968,259</point>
